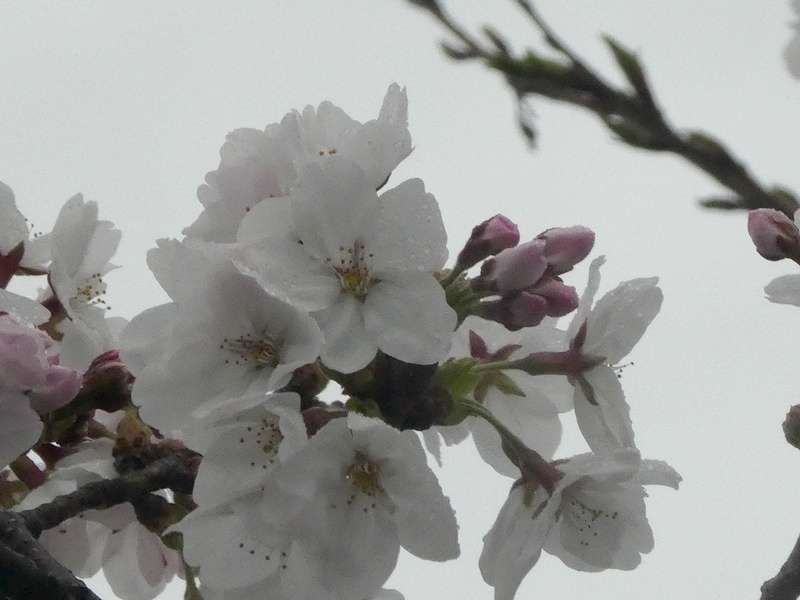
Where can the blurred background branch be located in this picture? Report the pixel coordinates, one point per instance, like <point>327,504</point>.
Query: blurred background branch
<point>632,115</point>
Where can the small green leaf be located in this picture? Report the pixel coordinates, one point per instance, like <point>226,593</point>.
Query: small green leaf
<point>506,385</point>
<point>629,63</point>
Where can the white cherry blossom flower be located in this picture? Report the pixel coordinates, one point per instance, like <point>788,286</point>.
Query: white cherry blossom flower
<point>363,265</point>
<point>594,519</point>
<point>223,337</point>
<point>82,248</point>
<point>262,165</point>
<point>243,442</point>
<point>356,492</point>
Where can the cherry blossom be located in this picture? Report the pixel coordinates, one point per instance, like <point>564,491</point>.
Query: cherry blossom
<point>594,519</point>
<point>364,267</point>
<point>222,337</point>
<point>360,480</point>
<point>609,330</point>
<point>259,165</point>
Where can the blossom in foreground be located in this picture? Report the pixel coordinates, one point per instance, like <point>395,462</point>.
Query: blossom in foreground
<point>362,481</point>
<point>609,330</point>
<point>364,266</point>
<point>222,337</point>
<point>593,520</point>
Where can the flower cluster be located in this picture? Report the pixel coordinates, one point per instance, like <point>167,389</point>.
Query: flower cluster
<point>307,267</point>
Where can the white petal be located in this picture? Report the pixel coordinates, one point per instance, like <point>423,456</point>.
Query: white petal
<point>20,426</point>
<point>348,345</point>
<point>27,309</point>
<point>333,207</point>
<point>607,425</point>
<point>514,543</point>
<point>411,233</point>
<point>620,318</point>
<point>409,319</point>
<point>587,298</point>
<point>284,269</point>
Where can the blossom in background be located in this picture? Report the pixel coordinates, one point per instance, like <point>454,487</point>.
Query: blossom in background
<point>531,413</point>
<point>593,520</point>
<point>15,230</point>
<point>82,248</point>
<point>792,52</point>
<point>258,165</point>
<point>364,267</point>
<point>222,337</point>
<point>609,330</point>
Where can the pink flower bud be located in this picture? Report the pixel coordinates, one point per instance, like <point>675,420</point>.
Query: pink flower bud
<point>514,311</point>
<point>487,239</point>
<point>774,234</point>
<point>107,383</point>
<point>565,247</point>
<point>513,269</point>
<point>561,299</point>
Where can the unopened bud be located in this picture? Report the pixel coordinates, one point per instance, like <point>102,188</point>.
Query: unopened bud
<point>774,234</point>
<point>487,239</point>
<point>791,426</point>
<point>513,269</point>
<point>107,383</point>
<point>565,247</point>
<point>514,311</point>
<point>561,299</point>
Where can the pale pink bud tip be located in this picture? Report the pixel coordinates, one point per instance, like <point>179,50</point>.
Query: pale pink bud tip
<point>774,234</point>
<point>513,269</point>
<point>566,246</point>
<point>487,239</point>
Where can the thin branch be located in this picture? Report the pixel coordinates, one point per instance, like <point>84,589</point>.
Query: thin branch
<point>170,472</point>
<point>27,571</point>
<point>786,584</point>
<point>632,115</point>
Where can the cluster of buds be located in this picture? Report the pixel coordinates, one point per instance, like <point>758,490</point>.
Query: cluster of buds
<point>526,278</point>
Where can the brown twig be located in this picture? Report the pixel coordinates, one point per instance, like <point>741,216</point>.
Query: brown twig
<point>786,584</point>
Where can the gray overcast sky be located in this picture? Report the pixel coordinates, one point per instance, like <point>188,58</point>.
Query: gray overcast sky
<point>130,102</point>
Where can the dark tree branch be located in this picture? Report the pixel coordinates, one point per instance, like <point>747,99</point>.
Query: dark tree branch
<point>633,115</point>
<point>786,584</point>
<point>28,572</point>
<point>169,472</point>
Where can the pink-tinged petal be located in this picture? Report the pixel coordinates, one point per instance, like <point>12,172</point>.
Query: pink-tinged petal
<point>566,246</point>
<point>411,234</point>
<point>333,208</point>
<point>784,290</point>
<point>606,425</point>
<point>408,318</point>
<point>348,345</point>
<point>20,426</point>
<point>61,386</point>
